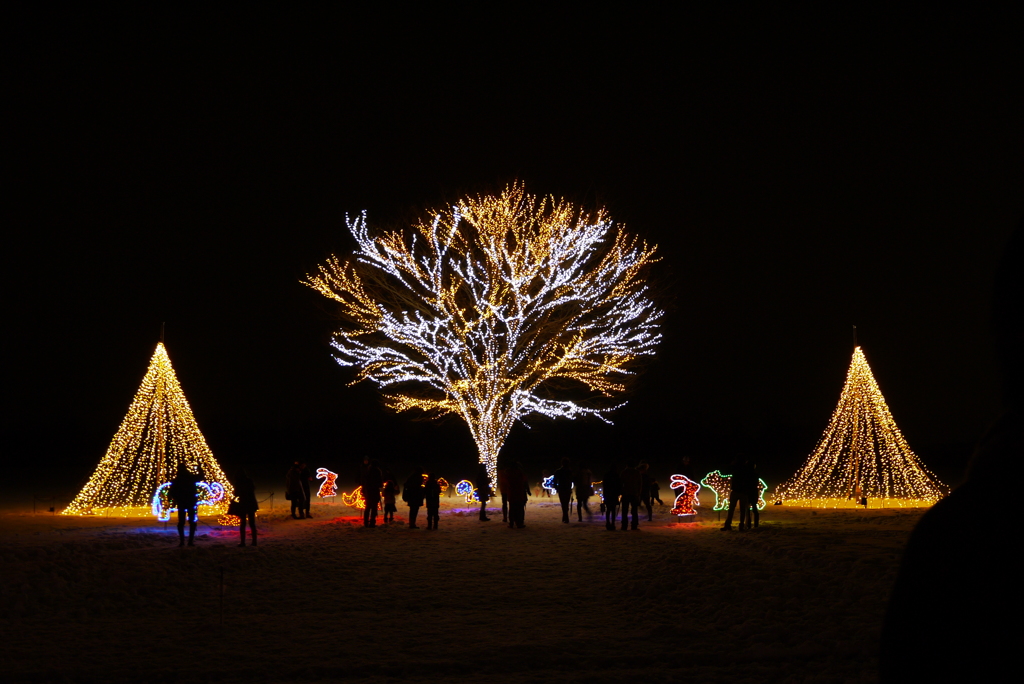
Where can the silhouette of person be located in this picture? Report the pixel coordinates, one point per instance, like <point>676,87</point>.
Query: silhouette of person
<point>371,482</point>
<point>563,485</point>
<point>412,494</point>
<point>655,489</point>
<point>518,493</point>
<point>739,491</point>
<point>294,492</point>
<point>631,484</point>
<point>752,516</point>
<point>183,494</point>
<point>305,477</point>
<point>584,490</point>
<point>645,489</point>
<point>390,491</point>
<point>612,489</point>
<point>432,497</point>
<point>503,464</point>
<point>245,492</point>
<point>483,490</point>
<point>950,616</point>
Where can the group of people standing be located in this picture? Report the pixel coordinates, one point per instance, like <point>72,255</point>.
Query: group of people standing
<point>744,493</point>
<point>185,498</point>
<point>629,487</point>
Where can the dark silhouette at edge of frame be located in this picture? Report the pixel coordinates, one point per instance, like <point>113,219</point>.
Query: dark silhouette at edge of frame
<point>951,615</point>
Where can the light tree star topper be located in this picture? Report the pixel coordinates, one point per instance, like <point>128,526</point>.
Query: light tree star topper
<point>497,308</point>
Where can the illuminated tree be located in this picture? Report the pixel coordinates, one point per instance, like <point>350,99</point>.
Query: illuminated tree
<point>500,307</point>
<point>157,434</point>
<point>861,454</point>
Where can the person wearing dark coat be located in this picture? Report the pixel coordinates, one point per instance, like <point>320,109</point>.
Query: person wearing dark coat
<point>584,490</point>
<point>951,615</point>
<point>432,498</point>
<point>753,516</point>
<point>563,485</point>
<point>739,492</point>
<point>183,494</point>
<point>612,490</point>
<point>390,491</point>
<point>294,492</point>
<point>483,490</point>
<point>245,492</point>
<point>645,490</point>
<point>412,494</point>
<point>305,477</point>
<point>371,482</point>
<point>518,491</point>
<point>631,483</point>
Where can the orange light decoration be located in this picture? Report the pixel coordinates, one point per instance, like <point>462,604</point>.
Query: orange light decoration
<point>158,434</point>
<point>862,454</point>
<point>443,483</point>
<point>329,488</point>
<point>357,500</point>
<point>686,499</point>
<point>490,309</point>
<point>229,520</point>
<point>721,485</point>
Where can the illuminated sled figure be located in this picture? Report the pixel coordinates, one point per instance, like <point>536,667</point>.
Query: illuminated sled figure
<point>329,488</point>
<point>721,485</point>
<point>465,488</point>
<point>687,499</point>
<point>356,499</point>
<point>207,494</point>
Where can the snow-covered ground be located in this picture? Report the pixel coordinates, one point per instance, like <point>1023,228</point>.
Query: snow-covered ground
<point>115,600</point>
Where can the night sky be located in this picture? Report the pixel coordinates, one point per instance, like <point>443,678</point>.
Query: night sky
<point>800,175</point>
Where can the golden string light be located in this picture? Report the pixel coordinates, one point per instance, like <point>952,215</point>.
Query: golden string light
<point>862,454</point>
<point>157,434</point>
<point>500,307</point>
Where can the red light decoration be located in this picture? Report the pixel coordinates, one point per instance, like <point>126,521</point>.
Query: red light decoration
<point>329,488</point>
<point>687,498</point>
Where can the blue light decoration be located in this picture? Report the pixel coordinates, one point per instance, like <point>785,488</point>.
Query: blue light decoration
<point>687,498</point>
<point>548,483</point>
<point>465,488</point>
<point>207,494</point>
<point>721,485</point>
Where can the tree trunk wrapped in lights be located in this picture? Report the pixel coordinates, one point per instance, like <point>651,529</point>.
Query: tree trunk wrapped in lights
<point>862,455</point>
<point>158,433</point>
<point>500,307</point>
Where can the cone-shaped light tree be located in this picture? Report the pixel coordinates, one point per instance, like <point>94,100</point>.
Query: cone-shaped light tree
<point>862,454</point>
<point>497,308</point>
<point>157,434</point>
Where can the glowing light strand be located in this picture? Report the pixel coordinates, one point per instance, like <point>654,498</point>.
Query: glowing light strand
<point>487,309</point>
<point>861,454</point>
<point>157,434</point>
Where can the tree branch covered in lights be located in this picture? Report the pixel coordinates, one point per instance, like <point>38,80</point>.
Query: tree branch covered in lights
<point>498,308</point>
<point>862,454</point>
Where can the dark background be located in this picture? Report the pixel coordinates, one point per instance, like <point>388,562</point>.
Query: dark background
<point>801,174</point>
